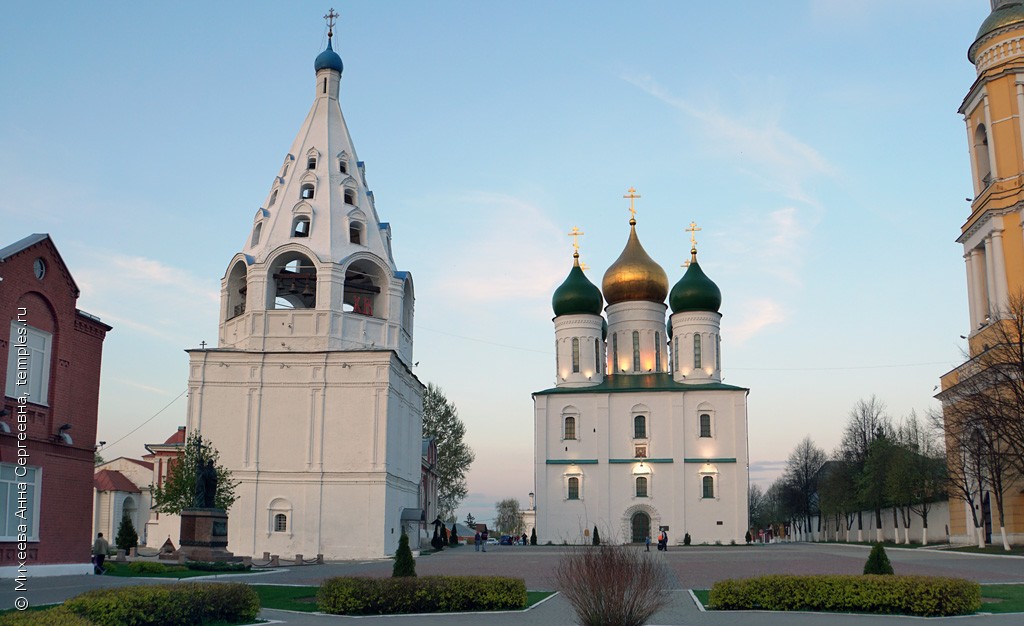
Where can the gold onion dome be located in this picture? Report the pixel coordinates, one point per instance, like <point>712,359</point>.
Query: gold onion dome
<point>576,295</point>
<point>634,275</point>
<point>1007,14</point>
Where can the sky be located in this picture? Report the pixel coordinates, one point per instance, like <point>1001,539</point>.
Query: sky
<point>816,143</point>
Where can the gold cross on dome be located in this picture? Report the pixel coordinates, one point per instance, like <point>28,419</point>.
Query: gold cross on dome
<point>330,17</point>
<point>584,267</point>
<point>632,195</point>
<point>576,233</point>
<point>693,230</point>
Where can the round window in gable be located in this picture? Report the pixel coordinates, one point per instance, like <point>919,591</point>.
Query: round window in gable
<point>39,268</point>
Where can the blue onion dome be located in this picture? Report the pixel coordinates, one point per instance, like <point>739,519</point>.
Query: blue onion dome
<point>695,291</point>
<point>1007,13</point>
<point>577,295</point>
<point>328,60</point>
<point>634,275</point>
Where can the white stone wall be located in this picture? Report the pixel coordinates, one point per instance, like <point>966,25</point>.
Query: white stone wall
<point>675,465</point>
<point>329,439</point>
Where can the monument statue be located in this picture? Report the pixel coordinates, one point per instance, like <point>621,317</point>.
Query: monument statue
<point>206,483</point>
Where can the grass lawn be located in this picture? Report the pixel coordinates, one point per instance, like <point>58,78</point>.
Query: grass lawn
<point>304,598</point>
<point>998,549</point>
<point>121,570</point>
<point>1002,598</point>
<point>994,598</point>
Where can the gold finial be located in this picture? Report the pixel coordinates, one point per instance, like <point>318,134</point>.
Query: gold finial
<point>575,233</point>
<point>693,243</point>
<point>632,195</point>
<point>584,267</point>
<point>330,17</point>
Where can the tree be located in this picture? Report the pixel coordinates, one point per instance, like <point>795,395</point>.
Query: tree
<point>454,456</point>
<point>533,536</point>
<point>127,538</point>
<point>470,521</point>
<point>453,536</point>
<point>802,468</point>
<point>97,459</point>
<point>596,539</point>
<point>178,490</point>
<point>405,565</point>
<point>837,497</point>
<point>867,421</point>
<point>509,519</point>
<point>756,505</point>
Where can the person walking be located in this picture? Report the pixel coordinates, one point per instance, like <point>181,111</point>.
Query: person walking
<point>483,540</point>
<point>647,543</point>
<point>100,547</point>
<point>476,541</point>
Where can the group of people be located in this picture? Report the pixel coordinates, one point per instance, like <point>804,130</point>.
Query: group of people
<point>662,541</point>
<point>480,541</point>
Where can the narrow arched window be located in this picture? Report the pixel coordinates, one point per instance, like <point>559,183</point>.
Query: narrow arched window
<point>573,489</point>
<point>343,166</point>
<point>355,233</point>
<point>350,196</point>
<point>597,354</point>
<point>705,425</point>
<point>570,428</point>
<point>306,191</point>
<point>280,523</point>
<point>273,198</point>
<point>636,351</point>
<point>300,227</point>
<point>641,486</point>
<point>615,352</point>
<point>575,355</point>
<point>981,155</point>
<point>696,352</point>
<point>256,233</point>
<point>718,353</point>
<point>311,163</point>
<point>639,427</point>
<point>675,354</point>
<point>708,484</point>
<point>657,352</point>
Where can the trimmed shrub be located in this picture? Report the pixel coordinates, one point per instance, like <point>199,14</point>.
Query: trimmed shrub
<point>57,616</point>
<point>597,537</point>
<point>150,567</point>
<point>927,596</point>
<point>878,562</point>
<point>747,537</point>
<point>426,594</point>
<point>405,565</point>
<point>453,536</point>
<point>686,539</point>
<point>533,537</point>
<point>183,604</point>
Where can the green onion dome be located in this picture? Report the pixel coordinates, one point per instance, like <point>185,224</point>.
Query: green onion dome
<point>695,291</point>
<point>577,295</point>
<point>634,275</point>
<point>1009,14</point>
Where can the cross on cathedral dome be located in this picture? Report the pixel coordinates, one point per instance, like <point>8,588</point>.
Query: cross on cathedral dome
<point>634,275</point>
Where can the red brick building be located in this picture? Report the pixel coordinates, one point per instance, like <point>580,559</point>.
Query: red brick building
<point>50,368</point>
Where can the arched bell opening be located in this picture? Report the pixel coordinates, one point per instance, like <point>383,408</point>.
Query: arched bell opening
<point>364,283</point>
<point>237,287</point>
<point>293,282</point>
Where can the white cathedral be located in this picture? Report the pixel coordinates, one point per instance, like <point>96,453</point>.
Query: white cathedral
<point>310,396</point>
<point>639,433</point>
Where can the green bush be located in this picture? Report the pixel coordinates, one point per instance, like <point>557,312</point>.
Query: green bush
<point>596,538</point>
<point>217,566</point>
<point>404,565</point>
<point>182,604</point>
<point>878,562</point>
<point>57,616</point>
<point>151,567</point>
<point>127,538</point>
<point>426,594</point>
<point>927,596</point>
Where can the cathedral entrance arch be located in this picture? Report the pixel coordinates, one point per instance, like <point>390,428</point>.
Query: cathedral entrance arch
<point>641,527</point>
<point>637,522</point>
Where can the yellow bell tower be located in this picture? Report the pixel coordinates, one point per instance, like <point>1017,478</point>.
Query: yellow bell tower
<point>993,240</point>
<point>992,236</point>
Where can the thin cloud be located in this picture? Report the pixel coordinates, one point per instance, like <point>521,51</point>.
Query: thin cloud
<point>757,315</point>
<point>774,157</point>
<point>149,388</point>
<point>512,252</point>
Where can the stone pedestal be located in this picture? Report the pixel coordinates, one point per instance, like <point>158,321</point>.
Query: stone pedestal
<point>204,535</point>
